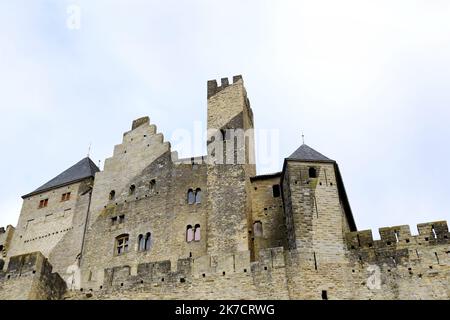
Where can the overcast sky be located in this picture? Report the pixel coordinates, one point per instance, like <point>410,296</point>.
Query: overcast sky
<point>368,82</point>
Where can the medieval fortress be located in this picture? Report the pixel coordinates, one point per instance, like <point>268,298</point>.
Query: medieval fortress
<point>152,226</point>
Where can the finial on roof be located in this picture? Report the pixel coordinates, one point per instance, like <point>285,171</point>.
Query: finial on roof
<point>89,150</point>
<point>303,138</point>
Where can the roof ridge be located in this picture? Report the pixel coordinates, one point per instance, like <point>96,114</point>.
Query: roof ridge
<point>85,168</point>
<point>306,153</point>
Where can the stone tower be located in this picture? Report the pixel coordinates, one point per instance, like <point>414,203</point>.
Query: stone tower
<point>53,219</point>
<point>317,217</point>
<point>231,163</point>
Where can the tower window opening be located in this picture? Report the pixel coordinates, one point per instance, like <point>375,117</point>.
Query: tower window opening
<point>198,195</point>
<point>65,196</point>
<point>324,295</point>
<point>147,243</point>
<point>132,189</point>
<point>152,185</point>
<point>190,196</point>
<point>112,195</point>
<point>43,203</point>
<point>122,244</point>
<point>141,243</point>
<point>197,235</point>
<point>223,134</point>
<point>258,229</point>
<point>312,172</point>
<point>276,190</point>
<point>189,234</point>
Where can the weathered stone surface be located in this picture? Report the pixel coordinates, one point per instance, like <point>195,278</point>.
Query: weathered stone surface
<point>30,277</point>
<point>288,235</point>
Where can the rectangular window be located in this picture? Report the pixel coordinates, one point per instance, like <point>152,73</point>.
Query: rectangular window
<point>43,203</point>
<point>113,220</point>
<point>276,190</point>
<point>121,219</point>
<point>65,196</point>
<point>122,244</point>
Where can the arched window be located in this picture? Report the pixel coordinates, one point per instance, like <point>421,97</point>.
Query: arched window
<point>122,244</point>
<point>112,195</point>
<point>141,243</point>
<point>189,233</point>
<point>132,189</point>
<point>190,196</point>
<point>147,242</point>
<point>258,229</point>
<point>197,233</point>
<point>312,172</point>
<point>1,249</point>
<point>198,195</point>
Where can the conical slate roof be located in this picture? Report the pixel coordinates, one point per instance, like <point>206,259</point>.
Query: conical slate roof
<point>80,171</point>
<point>306,153</point>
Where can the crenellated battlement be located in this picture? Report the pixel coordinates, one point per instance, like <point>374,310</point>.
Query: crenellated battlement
<point>30,276</point>
<point>207,267</point>
<point>213,88</point>
<point>139,122</point>
<point>153,225</point>
<point>431,232</point>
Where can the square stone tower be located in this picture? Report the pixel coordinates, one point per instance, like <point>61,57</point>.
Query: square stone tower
<point>317,216</point>
<point>231,163</point>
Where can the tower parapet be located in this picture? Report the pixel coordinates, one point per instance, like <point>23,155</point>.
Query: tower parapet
<point>429,233</point>
<point>213,88</point>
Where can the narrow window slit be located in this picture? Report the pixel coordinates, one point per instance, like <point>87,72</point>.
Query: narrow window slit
<point>315,261</point>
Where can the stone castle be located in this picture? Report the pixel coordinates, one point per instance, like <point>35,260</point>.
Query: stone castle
<point>152,226</point>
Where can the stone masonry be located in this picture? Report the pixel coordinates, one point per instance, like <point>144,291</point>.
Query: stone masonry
<point>153,226</point>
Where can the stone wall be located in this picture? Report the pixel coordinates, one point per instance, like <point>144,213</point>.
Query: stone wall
<point>316,224</point>
<point>410,266</point>
<point>267,209</point>
<point>279,274</point>
<point>157,204</point>
<point>231,276</point>
<point>56,230</point>
<point>5,242</point>
<point>230,144</point>
<point>30,277</point>
<point>304,248</point>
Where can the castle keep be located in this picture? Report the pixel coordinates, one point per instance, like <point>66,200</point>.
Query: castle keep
<point>153,226</point>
